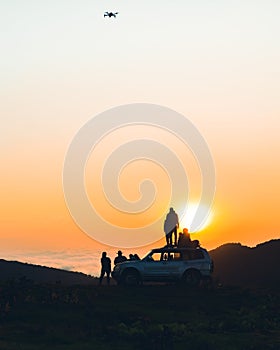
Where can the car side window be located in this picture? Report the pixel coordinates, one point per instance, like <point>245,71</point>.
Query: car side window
<point>164,256</point>
<point>196,254</point>
<point>177,256</point>
<point>170,256</point>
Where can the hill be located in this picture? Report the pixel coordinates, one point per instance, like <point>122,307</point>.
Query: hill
<point>61,316</point>
<point>235,264</point>
<point>17,271</point>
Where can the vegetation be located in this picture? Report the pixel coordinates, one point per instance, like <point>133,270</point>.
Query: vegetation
<point>156,317</point>
<point>45,308</point>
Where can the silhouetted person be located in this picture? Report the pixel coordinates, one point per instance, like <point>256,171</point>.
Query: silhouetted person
<point>170,226</point>
<point>181,240</point>
<point>167,233</point>
<point>136,257</point>
<point>184,240</point>
<point>195,243</point>
<point>131,257</point>
<point>120,258</point>
<point>105,268</point>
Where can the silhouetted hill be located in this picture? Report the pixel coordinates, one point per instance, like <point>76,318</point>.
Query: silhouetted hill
<point>235,264</point>
<point>17,271</point>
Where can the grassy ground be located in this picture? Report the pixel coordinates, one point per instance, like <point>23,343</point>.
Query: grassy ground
<point>147,317</point>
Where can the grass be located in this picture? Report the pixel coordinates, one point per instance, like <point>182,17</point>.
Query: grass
<point>148,317</point>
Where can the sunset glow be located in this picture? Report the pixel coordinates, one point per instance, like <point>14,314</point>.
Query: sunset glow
<point>187,219</point>
<point>215,63</point>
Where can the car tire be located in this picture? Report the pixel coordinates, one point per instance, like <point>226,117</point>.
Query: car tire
<point>130,278</point>
<point>191,278</point>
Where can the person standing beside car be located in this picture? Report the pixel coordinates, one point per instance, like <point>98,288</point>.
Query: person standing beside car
<point>120,258</point>
<point>105,268</point>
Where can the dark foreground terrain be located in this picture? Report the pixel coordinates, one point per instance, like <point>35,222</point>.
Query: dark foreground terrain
<point>57,317</point>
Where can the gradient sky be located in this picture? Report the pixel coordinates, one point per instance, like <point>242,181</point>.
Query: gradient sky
<point>215,62</point>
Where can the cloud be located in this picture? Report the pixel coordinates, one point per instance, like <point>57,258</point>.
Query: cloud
<point>78,260</point>
<point>82,261</point>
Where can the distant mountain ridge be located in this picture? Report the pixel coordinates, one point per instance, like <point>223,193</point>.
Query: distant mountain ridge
<point>235,264</point>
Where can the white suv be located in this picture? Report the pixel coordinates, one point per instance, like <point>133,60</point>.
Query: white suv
<point>168,264</point>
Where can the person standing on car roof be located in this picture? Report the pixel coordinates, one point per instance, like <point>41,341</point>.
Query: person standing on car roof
<point>171,225</point>
<point>167,233</point>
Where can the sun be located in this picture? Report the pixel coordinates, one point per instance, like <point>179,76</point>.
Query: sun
<point>187,219</point>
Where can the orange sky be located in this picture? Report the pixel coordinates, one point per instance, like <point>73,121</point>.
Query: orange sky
<point>217,66</point>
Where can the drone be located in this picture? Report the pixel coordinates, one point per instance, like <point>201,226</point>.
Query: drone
<point>110,14</point>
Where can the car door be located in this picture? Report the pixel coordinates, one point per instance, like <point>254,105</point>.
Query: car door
<point>193,259</point>
<point>155,267</point>
<point>174,265</point>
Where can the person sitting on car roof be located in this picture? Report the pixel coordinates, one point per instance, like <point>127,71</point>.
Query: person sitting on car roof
<point>184,240</point>
<point>195,243</point>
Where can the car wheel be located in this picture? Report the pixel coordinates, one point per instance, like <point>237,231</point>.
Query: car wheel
<point>131,278</point>
<point>191,278</point>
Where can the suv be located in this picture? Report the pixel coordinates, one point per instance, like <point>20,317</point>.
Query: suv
<point>167,264</point>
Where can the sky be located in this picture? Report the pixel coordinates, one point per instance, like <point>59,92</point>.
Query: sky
<point>62,63</point>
